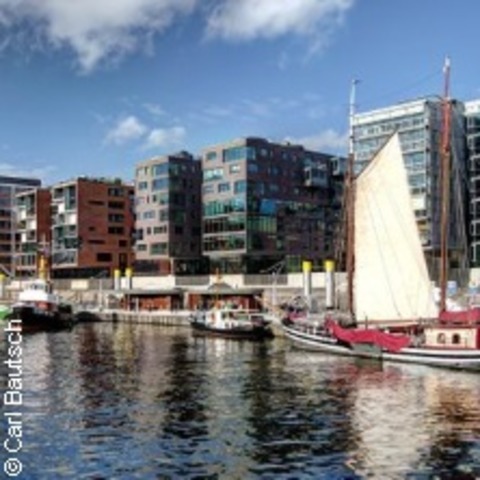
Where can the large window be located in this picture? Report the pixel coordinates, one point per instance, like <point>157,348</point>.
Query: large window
<point>232,223</point>
<point>238,153</point>
<point>224,242</point>
<point>160,184</point>
<point>211,155</point>
<point>240,186</point>
<point>161,169</point>
<point>159,248</point>
<point>236,204</point>
<point>223,187</point>
<point>212,174</point>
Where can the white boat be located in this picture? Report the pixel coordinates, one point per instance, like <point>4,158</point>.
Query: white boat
<point>394,311</point>
<point>40,308</point>
<point>231,323</point>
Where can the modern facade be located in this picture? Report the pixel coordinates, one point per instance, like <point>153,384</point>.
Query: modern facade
<point>419,124</point>
<point>472,114</point>
<point>9,187</point>
<point>265,203</point>
<point>168,215</point>
<point>33,229</point>
<point>92,227</point>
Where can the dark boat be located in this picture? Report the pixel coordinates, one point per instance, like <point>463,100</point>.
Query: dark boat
<point>39,308</point>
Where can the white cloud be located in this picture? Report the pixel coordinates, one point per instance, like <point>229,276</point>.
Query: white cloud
<point>165,137</point>
<point>104,30</point>
<point>250,19</point>
<point>127,129</point>
<point>325,141</point>
<point>94,29</point>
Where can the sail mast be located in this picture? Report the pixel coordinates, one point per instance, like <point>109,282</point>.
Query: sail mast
<point>445,184</point>
<point>350,201</point>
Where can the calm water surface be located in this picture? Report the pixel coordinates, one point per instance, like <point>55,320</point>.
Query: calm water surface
<point>135,401</point>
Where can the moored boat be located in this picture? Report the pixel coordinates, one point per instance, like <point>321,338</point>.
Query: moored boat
<point>39,308</point>
<point>392,313</point>
<point>447,344</point>
<point>232,323</point>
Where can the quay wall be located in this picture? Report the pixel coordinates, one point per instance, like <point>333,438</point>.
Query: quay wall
<point>167,317</point>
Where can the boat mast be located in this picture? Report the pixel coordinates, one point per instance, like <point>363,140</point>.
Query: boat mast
<point>350,201</point>
<point>445,167</point>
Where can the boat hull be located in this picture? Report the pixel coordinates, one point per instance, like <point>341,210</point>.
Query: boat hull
<point>35,319</point>
<point>312,339</point>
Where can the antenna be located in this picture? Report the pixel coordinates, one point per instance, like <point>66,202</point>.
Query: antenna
<point>349,199</point>
<point>445,184</point>
<point>351,136</point>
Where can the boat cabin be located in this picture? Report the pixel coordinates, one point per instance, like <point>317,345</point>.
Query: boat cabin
<point>453,337</point>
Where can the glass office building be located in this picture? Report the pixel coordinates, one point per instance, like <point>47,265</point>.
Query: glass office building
<point>420,124</point>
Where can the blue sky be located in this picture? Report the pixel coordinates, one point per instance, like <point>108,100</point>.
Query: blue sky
<point>93,87</point>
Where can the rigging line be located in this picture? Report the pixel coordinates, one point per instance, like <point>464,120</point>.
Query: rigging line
<point>396,92</point>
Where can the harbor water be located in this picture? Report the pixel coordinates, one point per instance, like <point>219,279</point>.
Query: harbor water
<point>126,401</point>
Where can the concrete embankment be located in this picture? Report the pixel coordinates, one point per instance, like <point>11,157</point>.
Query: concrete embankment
<point>173,318</point>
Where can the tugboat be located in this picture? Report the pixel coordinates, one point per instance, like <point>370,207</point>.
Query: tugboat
<point>39,308</point>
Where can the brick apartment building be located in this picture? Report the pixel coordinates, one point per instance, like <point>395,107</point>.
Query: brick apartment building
<point>83,226</point>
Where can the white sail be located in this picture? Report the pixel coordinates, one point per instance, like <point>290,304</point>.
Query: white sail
<point>391,281</point>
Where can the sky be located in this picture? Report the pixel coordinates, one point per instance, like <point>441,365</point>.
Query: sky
<point>94,87</point>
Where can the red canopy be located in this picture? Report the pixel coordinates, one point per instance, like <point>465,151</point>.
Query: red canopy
<point>392,343</point>
<point>470,316</point>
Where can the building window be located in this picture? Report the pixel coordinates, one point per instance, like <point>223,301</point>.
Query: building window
<point>115,192</point>
<point>104,257</point>
<point>223,187</point>
<point>160,184</point>
<point>238,153</point>
<point>211,155</point>
<point>161,169</point>
<point>240,186</point>
<point>158,248</point>
<point>212,174</point>
<point>235,168</point>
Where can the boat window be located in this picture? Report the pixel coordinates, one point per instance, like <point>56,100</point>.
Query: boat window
<point>456,339</point>
<point>441,338</point>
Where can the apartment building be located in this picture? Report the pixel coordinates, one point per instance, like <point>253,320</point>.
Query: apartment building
<point>168,215</point>
<point>92,227</point>
<point>265,203</point>
<point>419,124</point>
<point>472,114</point>
<point>9,187</point>
<point>33,229</point>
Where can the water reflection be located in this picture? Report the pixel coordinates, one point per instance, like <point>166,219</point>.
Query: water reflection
<point>133,401</point>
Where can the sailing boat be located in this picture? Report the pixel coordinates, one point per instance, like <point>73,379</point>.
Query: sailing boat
<point>393,304</point>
